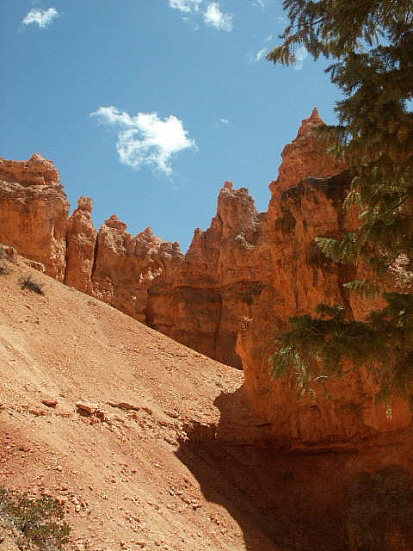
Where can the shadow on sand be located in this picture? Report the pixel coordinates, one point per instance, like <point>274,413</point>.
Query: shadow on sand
<point>301,501</point>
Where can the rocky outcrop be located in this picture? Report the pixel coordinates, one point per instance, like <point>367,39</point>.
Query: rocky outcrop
<point>81,244</point>
<point>200,300</point>
<point>125,266</point>
<point>216,288</point>
<point>233,291</point>
<point>110,264</point>
<point>33,212</point>
<point>304,156</point>
<point>342,409</point>
<point>244,277</point>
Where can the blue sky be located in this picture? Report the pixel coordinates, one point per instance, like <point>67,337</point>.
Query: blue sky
<point>148,106</point>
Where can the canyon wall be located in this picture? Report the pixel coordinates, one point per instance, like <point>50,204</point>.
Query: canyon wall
<point>201,302</point>
<point>340,409</point>
<point>234,289</point>
<point>215,290</point>
<point>109,264</point>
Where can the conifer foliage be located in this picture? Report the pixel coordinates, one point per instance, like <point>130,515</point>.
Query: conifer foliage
<point>318,348</point>
<point>370,43</point>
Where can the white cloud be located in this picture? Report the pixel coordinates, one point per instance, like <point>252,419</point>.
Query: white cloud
<point>186,6</point>
<point>262,3</point>
<point>214,17</point>
<point>300,56</point>
<point>260,54</point>
<point>145,139</point>
<point>43,18</point>
<point>220,122</point>
<point>211,13</point>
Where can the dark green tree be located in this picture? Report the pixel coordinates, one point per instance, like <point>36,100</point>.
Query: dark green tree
<point>370,44</point>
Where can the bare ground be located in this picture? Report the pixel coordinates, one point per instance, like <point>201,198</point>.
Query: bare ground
<point>169,456</point>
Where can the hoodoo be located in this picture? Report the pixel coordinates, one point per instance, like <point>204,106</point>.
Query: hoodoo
<point>235,288</point>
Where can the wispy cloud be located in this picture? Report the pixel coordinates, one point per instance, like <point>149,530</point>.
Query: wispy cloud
<point>220,122</point>
<point>300,56</point>
<point>42,18</point>
<point>198,10</point>
<point>145,139</point>
<point>214,17</point>
<point>185,6</point>
<point>261,3</point>
<point>260,54</point>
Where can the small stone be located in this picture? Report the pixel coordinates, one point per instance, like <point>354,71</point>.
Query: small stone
<point>86,408</point>
<point>50,403</point>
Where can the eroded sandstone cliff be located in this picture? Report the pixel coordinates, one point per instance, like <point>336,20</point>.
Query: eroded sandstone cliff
<point>33,212</point>
<point>233,290</point>
<point>343,409</point>
<point>201,301</point>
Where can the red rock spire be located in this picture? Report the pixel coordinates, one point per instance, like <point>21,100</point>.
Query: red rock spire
<point>308,124</point>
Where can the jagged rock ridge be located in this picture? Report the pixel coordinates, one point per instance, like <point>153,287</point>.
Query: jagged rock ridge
<point>235,288</point>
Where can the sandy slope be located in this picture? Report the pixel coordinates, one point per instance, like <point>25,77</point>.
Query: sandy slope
<point>122,476</point>
<point>172,458</point>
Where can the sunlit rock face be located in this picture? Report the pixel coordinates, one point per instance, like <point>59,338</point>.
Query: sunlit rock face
<point>201,300</point>
<point>33,212</point>
<point>125,266</point>
<point>235,288</point>
<point>109,264</point>
<point>81,246</point>
<point>305,156</point>
<point>306,202</point>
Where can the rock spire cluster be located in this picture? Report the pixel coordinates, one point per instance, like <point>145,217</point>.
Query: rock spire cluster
<point>234,289</point>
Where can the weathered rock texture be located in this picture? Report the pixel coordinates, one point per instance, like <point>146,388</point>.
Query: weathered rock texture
<point>112,265</point>
<point>228,267</point>
<point>304,156</point>
<point>235,288</point>
<point>109,264</point>
<point>343,410</point>
<point>201,302</point>
<point>81,245</point>
<point>33,212</point>
<point>125,266</point>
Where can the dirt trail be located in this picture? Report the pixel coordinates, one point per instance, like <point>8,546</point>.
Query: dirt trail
<point>150,444</point>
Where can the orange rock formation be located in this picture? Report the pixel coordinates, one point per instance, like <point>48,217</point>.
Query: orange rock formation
<point>81,245</point>
<point>33,213</point>
<point>235,288</point>
<point>201,301</point>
